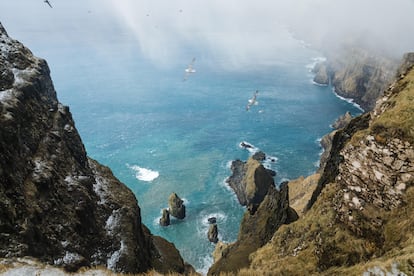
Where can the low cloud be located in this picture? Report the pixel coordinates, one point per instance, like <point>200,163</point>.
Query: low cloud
<point>233,33</point>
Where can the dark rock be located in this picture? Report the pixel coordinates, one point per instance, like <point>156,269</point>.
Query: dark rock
<point>246,145</point>
<point>271,172</point>
<point>256,230</point>
<point>259,156</point>
<point>212,220</point>
<point>213,233</point>
<point>250,181</point>
<point>165,219</point>
<point>176,206</point>
<point>56,204</point>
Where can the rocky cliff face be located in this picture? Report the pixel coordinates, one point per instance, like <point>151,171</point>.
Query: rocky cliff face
<point>56,204</point>
<point>357,74</point>
<point>359,218</point>
<point>268,209</point>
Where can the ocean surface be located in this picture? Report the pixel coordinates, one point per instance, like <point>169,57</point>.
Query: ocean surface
<point>162,134</point>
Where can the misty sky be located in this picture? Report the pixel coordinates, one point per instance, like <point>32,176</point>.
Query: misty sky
<point>240,31</point>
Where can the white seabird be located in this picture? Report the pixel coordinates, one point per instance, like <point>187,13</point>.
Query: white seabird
<point>189,70</point>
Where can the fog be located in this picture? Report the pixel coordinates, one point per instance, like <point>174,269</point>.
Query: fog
<point>236,32</point>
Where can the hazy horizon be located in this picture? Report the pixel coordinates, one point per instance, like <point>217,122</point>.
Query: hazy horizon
<point>240,33</point>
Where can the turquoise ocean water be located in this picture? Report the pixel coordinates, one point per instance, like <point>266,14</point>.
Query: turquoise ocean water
<point>160,134</point>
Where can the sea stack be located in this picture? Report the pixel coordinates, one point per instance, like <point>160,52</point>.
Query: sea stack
<point>213,233</point>
<point>176,206</point>
<point>165,219</point>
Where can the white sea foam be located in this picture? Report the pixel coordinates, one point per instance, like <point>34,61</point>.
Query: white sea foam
<point>144,174</point>
<point>220,218</point>
<point>351,101</point>
<point>207,263</point>
<point>269,161</point>
<point>249,147</point>
<point>317,83</point>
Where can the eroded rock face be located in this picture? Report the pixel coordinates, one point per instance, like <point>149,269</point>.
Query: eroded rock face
<point>212,233</point>
<point>56,204</point>
<point>165,218</point>
<point>372,176</point>
<point>357,74</point>
<point>176,206</point>
<point>256,229</point>
<point>250,181</point>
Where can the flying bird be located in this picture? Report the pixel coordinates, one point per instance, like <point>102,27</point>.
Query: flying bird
<point>189,70</point>
<point>47,2</point>
<point>252,101</point>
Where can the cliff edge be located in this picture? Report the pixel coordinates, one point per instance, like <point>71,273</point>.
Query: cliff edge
<point>357,74</point>
<point>359,218</point>
<point>57,204</point>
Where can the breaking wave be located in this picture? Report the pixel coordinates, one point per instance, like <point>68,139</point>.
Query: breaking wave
<point>144,174</point>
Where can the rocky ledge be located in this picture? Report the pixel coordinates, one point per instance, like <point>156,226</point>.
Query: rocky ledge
<point>57,204</point>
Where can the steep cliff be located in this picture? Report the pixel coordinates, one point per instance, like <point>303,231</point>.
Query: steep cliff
<point>56,204</point>
<point>359,219</point>
<point>268,209</point>
<point>357,74</point>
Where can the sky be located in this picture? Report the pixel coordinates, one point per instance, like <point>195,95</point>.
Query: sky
<point>239,31</point>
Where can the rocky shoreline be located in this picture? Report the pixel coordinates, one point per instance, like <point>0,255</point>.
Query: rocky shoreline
<point>356,74</point>
<point>65,209</point>
<point>351,213</point>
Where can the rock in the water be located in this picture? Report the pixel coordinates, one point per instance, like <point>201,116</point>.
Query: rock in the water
<point>259,156</point>
<point>213,233</point>
<point>165,219</point>
<point>250,181</point>
<point>176,206</point>
<point>212,220</point>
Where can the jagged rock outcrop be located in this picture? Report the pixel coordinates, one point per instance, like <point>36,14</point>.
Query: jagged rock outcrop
<point>176,206</point>
<point>359,217</point>
<point>267,209</point>
<point>250,181</point>
<point>326,141</point>
<point>256,230</point>
<point>342,121</point>
<point>56,204</point>
<point>212,233</point>
<point>357,74</point>
<point>165,218</point>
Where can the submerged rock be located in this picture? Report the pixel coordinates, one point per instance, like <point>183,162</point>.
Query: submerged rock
<point>176,206</point>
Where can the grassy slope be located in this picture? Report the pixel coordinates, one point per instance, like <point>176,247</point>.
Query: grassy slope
<point>318,244</point>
